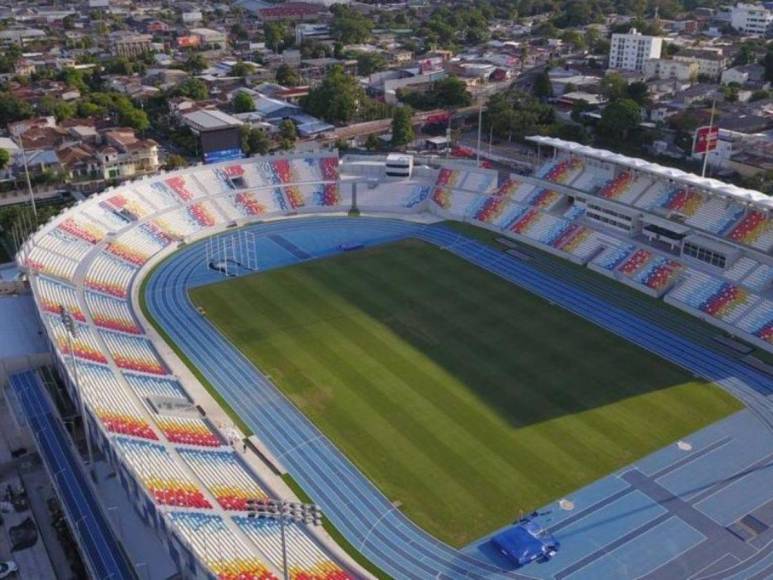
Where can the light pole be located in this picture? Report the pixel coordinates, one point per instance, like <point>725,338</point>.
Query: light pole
<point>27,175</point>
<point>285,512</point>
<point>72,330</point>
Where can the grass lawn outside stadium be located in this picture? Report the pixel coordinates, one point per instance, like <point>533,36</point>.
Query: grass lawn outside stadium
<point>461,396</point>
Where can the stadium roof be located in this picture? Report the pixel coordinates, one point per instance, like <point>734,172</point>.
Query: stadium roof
<point>707,184</point>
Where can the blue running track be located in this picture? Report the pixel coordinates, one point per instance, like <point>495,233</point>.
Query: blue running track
<point>98,544</point>
<point>357,508</point>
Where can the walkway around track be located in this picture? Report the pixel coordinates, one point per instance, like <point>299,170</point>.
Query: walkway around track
<point>359,510</point>
<point>102,551</point>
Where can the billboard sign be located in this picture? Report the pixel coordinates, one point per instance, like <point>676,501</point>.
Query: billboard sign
<point>705,139</point>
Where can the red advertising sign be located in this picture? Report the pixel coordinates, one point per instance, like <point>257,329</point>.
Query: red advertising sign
<point>706,139</point>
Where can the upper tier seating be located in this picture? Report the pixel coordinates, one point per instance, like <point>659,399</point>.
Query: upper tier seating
<point>388,196</point>
<point>52,295</point>
<point>49,263</point>
<point>66,244</point>
<point>187,430</point>
<point>162,475</point>
<point>111,313</point>
<point>107,216</point>
<point>112,405</point>
<point>133,353</point>
<point>306,560</point>
<point>225,476</point>
<point>215,544</point>
<point>149,386</point>
<point>625,187</point>
<point>109,275</point>
<point>755,229</point>
<point>84,344</point>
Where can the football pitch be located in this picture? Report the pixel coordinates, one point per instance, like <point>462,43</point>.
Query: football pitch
<point>462,397</point>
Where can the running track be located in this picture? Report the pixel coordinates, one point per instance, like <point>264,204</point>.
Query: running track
<point>367,518</point>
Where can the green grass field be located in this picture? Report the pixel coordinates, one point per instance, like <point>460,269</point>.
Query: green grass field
<point>461,396</point>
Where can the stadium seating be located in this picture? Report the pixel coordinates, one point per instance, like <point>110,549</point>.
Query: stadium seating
<point>487,209</point>
<point>392,196</point>
<point>612,257</point>
<point>53,295</point>
<point>133,353</point>
<point>759,321</point>
<point>760,278</point>
<point>215,544</point>
<point>224,475</point>
<point>110,402</point>
<point>755,229</point>
<point>83,229</point>
<point>109,275</point>
<point>111,313</point>
<point>657,273</point>
<point>84,344</point>
<point>66,244</point>
<point>49,263</point>
<point>150,386</point>
<point>110,217</point>
<point>563,171</point>
<point>740,268</point>
<point>714,296</point>
<point>137,245</point>
<point>129,205</point>
<point>306,560</point>
<point>191,431</point>
<point>161,474</point>
<point>625,187</point>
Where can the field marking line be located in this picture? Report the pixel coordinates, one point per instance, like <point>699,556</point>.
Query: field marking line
<point>376,523</point>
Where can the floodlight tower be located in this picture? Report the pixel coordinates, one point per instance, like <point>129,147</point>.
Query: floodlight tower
<point>285,512</point>
<point>72,333</point>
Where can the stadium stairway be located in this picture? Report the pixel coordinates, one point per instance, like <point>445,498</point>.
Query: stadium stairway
<point>101,550</point>
<point>355,506</point>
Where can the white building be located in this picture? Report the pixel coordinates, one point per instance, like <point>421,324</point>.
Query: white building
<point>630,51</point>
<point>670,69</point>
<point>711,61</point>
<point>752,19</point>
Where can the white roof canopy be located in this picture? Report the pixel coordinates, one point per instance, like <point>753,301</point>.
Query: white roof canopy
<point>707,184</point>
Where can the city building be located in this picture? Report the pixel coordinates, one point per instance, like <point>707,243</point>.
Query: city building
<point>752,19</point>
<point>630,51</point>
<point>665,69</point>
<point>711,61</point>
<point>128,44</point>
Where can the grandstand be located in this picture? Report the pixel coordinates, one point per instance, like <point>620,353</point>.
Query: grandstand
<point>700,244</point>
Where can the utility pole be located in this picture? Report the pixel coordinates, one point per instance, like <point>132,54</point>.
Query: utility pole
<point>27,176</point>
<point>708,137</point>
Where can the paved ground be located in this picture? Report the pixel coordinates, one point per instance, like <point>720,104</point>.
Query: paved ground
<point>674,514</point>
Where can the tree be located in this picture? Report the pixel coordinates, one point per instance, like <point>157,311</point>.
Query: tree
<point>543,88</point>
<point>274,34</point>
<point>370,62</point>
<point>5,158</point>
<point>254,140</point>
<point>175,161</point>
<point>402,126</point>
<point>445,93</point>
<point>196,63</point>
<point>287,76</point>
<point>242,69</point>
<point>372,143</point>
<point>288,134</point>
<point>767,62</point>
<point>243,103</point>
<point>619,118</point>
<point>195,89</point>
<point>614,86</point>
<point>336,99</point>
<point>349,26</point>
<point>13,109</point>
<point>639,92</point>
<point>135,118</point>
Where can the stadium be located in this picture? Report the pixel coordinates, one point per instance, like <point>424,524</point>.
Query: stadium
<point>425,355</point>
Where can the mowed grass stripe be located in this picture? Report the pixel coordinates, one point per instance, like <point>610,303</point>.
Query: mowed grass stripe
<point>461,396</point>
